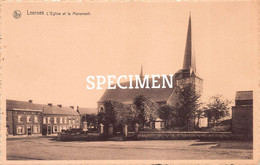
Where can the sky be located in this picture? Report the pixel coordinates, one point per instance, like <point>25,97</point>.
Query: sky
<point>47,58</point>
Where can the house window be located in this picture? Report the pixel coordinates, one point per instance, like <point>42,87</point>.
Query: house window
<point>49,120</point>
<point>20,129</point>
<point>73,121</point>
<point>20,119</point>
<point>69,121</point>
<point>36,129</point>
<point>55,120</point>
<point>44,120</point>
<point>29,119</point>
<point>36,119</point>
<point>65,127</point>
<point>55,128</point>
<point>65,121</point>
<point>61,120</point>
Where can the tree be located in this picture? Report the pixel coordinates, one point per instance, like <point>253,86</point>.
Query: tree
<point>146,109</point>
<point>217,108</point>
<point>117,114</point>
<point>187,105</point>
<point>166,112</point>
<point>91,119</point>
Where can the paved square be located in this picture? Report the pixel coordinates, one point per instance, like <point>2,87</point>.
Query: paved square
<point>48,149</point>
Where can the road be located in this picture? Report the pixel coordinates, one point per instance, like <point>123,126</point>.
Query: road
<point>49,149</point>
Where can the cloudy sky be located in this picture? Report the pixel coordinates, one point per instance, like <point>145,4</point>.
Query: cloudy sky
<point>47,58</point>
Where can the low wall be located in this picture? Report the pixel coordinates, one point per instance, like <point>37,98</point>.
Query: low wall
<point>79,137</point>
<point>187,136</point>
<point>142,135</point>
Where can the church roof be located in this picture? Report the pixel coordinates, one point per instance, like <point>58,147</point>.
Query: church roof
<point>127,95</point>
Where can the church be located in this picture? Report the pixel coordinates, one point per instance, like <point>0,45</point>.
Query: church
<point>161,96</point>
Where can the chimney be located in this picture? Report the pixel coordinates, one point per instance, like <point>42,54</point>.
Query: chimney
<point>50,104</point>
<point>78,109</point>
<point>30,101</point>
<point>72,107</point>
<point>60,105</point>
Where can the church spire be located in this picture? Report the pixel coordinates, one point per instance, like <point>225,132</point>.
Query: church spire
<point>141,73</point>
<point>189,57</point>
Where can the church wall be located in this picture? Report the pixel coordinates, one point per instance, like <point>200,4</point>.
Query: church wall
<point>198,85</point>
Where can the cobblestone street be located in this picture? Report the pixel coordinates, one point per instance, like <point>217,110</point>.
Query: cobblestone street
<point>49,149</point>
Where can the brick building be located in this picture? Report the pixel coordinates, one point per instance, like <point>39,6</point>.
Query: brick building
<point>57,118</point>
<point>242,113</point>
<point>27,118</point>
<point>23,118</point>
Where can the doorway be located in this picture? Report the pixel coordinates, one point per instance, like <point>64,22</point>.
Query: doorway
<point>49,130</point>
<point>29,130</point>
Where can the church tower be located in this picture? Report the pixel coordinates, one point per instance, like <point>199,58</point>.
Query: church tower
<point>188,72</point>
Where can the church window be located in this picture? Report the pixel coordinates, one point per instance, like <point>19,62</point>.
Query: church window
<point>101,108</point>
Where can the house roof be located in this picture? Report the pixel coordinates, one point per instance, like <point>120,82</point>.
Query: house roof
<point>87,110</point>
<point>244,95</point>
<point>14,104</point>
<point>46,109</point>
<point>54,109</point>
<point>127,95</point>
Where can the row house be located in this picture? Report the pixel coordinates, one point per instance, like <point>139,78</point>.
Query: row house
<point>27,118</point>
<point>57,118</point>
<point>23,118</point>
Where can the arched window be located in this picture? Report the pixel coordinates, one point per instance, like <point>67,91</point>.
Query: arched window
<point>101,108</point>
